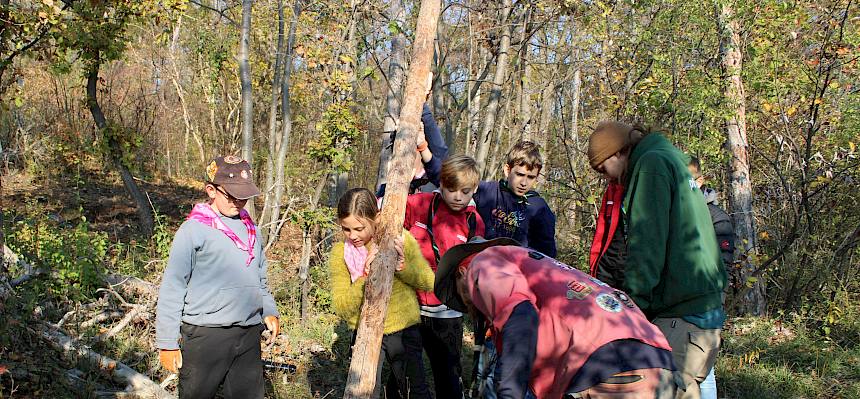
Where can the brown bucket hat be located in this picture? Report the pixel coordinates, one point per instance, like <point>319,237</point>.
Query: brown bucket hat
<point>444,286</point>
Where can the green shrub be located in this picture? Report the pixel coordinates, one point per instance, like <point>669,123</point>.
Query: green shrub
<point>73,258</point>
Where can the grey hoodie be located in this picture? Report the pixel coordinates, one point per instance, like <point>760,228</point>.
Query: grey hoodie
<point>207,283</point>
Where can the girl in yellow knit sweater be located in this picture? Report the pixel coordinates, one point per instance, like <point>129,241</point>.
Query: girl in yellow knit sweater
<point>349,264</point>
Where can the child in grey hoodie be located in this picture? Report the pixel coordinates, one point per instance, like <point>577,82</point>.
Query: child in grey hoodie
<point>214,300</point>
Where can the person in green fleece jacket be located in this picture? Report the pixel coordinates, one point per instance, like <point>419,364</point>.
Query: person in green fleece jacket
<point>673,268</point>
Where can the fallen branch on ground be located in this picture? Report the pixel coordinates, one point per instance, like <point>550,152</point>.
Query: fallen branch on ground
<point>135,382</point>
<point>137,311</point>
<point>132,285</point>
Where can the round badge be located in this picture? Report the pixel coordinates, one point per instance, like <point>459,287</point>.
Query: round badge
<point>244,174</point>
<point>608,303</point>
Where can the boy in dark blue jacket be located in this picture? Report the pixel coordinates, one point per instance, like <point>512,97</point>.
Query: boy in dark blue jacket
<point>510,208</point>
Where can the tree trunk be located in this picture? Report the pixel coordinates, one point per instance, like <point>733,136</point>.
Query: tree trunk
<point>396,67</point>
<point>286,122</point>
<point>740,194</point>
<point>144,213</point>
<point>247,95</point>
<point>362,376</point>
<point>483,140</point>
<point>273,129</point>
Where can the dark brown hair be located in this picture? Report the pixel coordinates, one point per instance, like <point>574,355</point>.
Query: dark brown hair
<point>357,202</point>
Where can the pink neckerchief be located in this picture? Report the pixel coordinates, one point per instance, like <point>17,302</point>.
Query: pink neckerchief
<point>204,213</point>
<point>355,257</point>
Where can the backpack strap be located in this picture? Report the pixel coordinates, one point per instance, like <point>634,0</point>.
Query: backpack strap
<point>471,220</point>
<point>431,213</point>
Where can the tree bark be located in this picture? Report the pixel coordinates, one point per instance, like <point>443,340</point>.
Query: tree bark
<point>144,213</point>
<point>273,128</point>
<point>483,140</point>
<point>247,95</point>
<point>740,194</point>
<point>362,377</point>
<point>286,121</point>
<point>396,72</point>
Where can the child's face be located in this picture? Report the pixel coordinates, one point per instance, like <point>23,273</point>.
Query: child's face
<point>457,200</point>
<point>357,230</point>
<point>225,203</point>
<point>520,178</point>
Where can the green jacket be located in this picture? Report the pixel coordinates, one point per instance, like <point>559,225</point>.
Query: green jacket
<point>673,266</point>
<point>347,296</point>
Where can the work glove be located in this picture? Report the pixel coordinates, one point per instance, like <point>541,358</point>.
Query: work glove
<point>171,359</point>
<point>274,328</point>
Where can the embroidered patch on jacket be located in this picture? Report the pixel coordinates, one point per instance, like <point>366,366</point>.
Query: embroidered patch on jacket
<point>624,299</point>
<point>232,159</point>
<point>608,303</point>
<point>598,282</point>
<point>578,290</point>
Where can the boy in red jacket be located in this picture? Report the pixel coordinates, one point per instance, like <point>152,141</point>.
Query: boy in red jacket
<point>439,221</point>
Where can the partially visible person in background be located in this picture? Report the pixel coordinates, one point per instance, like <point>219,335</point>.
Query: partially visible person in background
<point>725,232</point>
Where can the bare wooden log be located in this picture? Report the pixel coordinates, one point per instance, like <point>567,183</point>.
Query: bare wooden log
<point>132,285</point>
<point>137,383</point>
<point>136,312</point>
<point>362,376</point>
<point>102,317</point>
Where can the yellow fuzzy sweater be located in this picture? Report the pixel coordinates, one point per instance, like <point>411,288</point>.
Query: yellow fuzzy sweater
<point>403,306</point>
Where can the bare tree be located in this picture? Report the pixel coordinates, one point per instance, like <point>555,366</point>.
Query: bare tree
<point>396,69</point>
<point>144,214</point>
<point>362,376</point>
<point>493,107</point>
<point>740,194</point>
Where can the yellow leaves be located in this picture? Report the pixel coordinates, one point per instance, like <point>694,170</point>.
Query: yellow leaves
<point>791,110</point>
<point>852,146</point>
<point>763,235</point>
<point>346,59</point>
<point>766,106</point>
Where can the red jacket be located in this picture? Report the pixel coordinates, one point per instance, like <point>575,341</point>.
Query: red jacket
<point>449,228</point>
<point>577,314</point>
<point>607,222</point>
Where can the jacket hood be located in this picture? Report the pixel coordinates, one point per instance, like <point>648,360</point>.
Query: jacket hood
<point>710,195</point>
<point>651,142</point>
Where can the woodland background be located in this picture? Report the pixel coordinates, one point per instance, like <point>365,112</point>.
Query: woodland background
<point>110,109</point>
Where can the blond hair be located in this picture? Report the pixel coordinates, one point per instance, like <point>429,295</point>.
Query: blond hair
<point>525,153</point>
<point>458,172</point>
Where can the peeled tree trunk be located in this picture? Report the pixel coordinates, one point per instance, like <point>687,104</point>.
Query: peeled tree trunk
<point>362,376</point>
<point>740,194</point>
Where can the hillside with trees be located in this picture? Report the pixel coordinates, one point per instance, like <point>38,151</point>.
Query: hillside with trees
<point>111,109</point>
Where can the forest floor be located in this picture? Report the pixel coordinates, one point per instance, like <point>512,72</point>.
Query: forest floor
<point>60,227</point>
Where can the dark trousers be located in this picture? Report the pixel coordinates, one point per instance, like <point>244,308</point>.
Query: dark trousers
<point>443,342</point>
<point>402,351</point>
<point>215,355</point>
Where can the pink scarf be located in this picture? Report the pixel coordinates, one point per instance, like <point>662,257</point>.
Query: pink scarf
<point>355,257</point>
<point>204,213</point>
